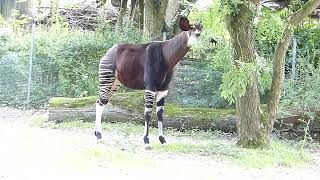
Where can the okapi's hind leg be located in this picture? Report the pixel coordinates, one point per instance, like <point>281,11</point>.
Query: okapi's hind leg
<point>107,86</point>
<point>161,96</point>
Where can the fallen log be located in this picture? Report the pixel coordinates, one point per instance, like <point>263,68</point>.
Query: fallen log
<point>119,114</point>
<point>128,107</point>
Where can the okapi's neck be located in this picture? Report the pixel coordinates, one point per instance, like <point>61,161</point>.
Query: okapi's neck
<point>175,48</point>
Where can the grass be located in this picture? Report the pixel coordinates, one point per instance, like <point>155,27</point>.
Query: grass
<point>281,153</point>
<point>117,157</point>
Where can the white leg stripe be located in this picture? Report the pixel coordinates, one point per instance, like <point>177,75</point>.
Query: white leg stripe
<point>160,127</point>
<point>161,94</point>
<point>151,92</point>
<point>147,110</point>
<point>99,110</point>
<point>159,108</point>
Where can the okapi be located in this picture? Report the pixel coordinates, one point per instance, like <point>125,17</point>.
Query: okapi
<point>146,67</point>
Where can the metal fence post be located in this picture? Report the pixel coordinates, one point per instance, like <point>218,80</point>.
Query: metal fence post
<point>30,61</point>
<point>294,55</point>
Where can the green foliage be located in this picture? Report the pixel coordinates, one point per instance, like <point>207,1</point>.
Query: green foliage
<point>231,6</point>
<point>268,32</point>
<point>236,80</point>
<point>195,87</point>
<point>212,20</point>
<point>308,41</point>
<point>303,92</point>
<point>65,60</point>
<point>156,3</point>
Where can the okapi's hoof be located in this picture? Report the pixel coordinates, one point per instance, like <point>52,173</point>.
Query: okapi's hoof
<point>98,135</point>
<point>147,147</point>
<point>162,140</point>
<point>146,143</point>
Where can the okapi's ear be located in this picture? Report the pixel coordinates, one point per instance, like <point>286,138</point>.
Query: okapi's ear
<point>184,24</point>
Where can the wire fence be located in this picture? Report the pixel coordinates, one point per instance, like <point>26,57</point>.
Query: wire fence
<point>29,78</point>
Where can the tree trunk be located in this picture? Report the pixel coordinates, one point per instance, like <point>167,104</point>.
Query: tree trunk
<point>5,8</point>
<point>141,14</point>
<point>240,27</point>
<point>54,8</point>
<point>172,12</point>
<point>154,18</point>
<point>133,6</point>
<point>279,59</point>
<point>122,13</point>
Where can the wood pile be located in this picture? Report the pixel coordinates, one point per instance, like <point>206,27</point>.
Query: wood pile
<point>84,16</point>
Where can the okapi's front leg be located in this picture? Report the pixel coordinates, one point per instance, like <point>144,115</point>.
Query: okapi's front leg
<point>161,96</point>
<point>149,99</point>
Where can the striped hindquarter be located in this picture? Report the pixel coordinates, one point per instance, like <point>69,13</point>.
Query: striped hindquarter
<point>108,84</point>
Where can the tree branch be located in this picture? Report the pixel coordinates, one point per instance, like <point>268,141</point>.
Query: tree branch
<point>303,12</point>
<point>279,58</point>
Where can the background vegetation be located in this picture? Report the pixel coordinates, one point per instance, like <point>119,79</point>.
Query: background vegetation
<point>66,57</point>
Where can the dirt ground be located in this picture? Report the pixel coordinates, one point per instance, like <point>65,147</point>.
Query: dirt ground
<point>28,152</point>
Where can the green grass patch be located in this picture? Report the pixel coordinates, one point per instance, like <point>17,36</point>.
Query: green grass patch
<point>281,153</point>
<point>118,157</point>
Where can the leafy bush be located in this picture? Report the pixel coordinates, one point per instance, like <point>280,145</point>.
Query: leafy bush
<point>303,92</point>
<point>65,61</point>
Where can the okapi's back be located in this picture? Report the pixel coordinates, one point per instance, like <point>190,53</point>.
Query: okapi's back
<point>129,64</point>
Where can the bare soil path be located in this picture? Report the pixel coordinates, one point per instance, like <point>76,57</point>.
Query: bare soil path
<point>28,152</point>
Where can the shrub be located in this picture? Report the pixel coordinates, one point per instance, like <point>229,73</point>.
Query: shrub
<point>65,61</point>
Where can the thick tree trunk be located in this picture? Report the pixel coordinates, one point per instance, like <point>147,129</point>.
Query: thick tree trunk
<point>122,13</point>
<point>141,14</point>
<point>172,12</point>
<point>279,59</point>
<point>133,6</point>
<point>154,18</point>
<point>5,8</point>
<point>54,7</point>
<point>240,27</point>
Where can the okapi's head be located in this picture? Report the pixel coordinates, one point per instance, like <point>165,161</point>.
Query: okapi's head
<point>193,31</point>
